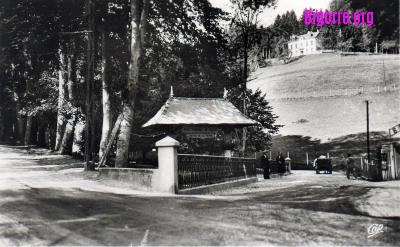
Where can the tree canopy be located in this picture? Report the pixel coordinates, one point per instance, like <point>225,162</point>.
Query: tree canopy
<point>43,64</point>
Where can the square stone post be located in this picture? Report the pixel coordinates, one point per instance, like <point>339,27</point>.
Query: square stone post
<point>228,144</point>
<point>168,164</point>
<point>288,165</point>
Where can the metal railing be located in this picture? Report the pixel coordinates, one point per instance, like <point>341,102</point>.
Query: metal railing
<point>273,165</point>
<point>198,170</point>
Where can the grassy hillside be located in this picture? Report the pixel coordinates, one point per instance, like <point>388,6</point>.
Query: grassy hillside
<point>321,73</point>
<point>311,100</point>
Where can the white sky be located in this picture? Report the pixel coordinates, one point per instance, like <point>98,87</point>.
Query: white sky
<point>268,17</point>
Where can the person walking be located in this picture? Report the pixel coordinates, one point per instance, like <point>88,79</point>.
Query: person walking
<point>265,165</point>
<point>281,164</point>
<point>350,167</point>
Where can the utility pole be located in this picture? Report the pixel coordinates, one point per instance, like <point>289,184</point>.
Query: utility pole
<point>90,126</point>
<point>384,72</point>
<point>244,89</point>
<point>369,158</point>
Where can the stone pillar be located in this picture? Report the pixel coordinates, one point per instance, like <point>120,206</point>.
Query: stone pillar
<point>228,153</point>
<point>228,144</point>
<point>168,165</point>
<point>288,165</point>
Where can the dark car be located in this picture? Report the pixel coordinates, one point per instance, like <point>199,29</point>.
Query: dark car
<point>323,165</point>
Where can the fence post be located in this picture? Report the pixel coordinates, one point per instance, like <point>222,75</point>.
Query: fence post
<point>307,158</point>
<point>168,165</point>
<point>362,165</point>
<point>289,166</point>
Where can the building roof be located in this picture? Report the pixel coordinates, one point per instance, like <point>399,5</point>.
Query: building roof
<point>199,111</point>
<point>308,35</point>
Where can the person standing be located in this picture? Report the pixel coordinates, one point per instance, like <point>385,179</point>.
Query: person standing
<point>265,165</point>
<point>350,167</point>
<point>281,164</point>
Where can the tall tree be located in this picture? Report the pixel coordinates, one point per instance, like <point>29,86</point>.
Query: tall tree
<point>70,105</point>
<point>111,36</point>
<point>61,101</point>
<point>139,14</point>
<point>69,22</point>
<point>245,22</point>
<point>106,101</point>
<point>258,109</point>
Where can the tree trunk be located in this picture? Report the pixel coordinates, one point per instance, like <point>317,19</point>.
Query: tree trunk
<point>34,131</point>
<point>61,122</point>
<point>66,144</point>
<point>105,134</point>
<point>2,124</point>
<point>20,120</point>
<point>18,107</point>
<point>41,136</point>
<point>50,137</point>
<point>77,144</point>
<point>27,140</point>
<point>8,130</point>
<point>124,137</point>
<point>71,71</point>
<point>244,90</point>
<point>138,26</point>
<point>28,130</point>
<point>27,73</point>
<point>90,136</point>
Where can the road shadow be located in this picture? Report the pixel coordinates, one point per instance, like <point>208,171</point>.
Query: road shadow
<point>75,217</point>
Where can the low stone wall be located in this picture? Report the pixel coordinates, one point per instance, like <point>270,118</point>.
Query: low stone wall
<point>165,178</point>
<point>138,179</point>
<point>216,187</point>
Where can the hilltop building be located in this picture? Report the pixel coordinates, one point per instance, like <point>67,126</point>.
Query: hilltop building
<point>305,44</point>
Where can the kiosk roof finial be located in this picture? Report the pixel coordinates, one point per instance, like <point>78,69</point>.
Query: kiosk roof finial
<point>225,93</point>
<point>172,92</point>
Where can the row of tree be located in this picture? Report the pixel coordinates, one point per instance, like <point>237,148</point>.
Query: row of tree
<point>385,29</point>
<point>142,47</point>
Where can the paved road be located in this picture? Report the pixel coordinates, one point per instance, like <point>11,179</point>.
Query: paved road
<point>46,200</point>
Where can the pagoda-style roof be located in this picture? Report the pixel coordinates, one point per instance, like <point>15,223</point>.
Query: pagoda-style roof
<point>199,111</point>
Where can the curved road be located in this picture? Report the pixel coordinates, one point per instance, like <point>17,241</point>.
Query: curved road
<point>47,199</point>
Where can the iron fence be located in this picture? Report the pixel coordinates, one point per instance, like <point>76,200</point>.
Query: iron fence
<point>273,166</point>
<point>198,170</point>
